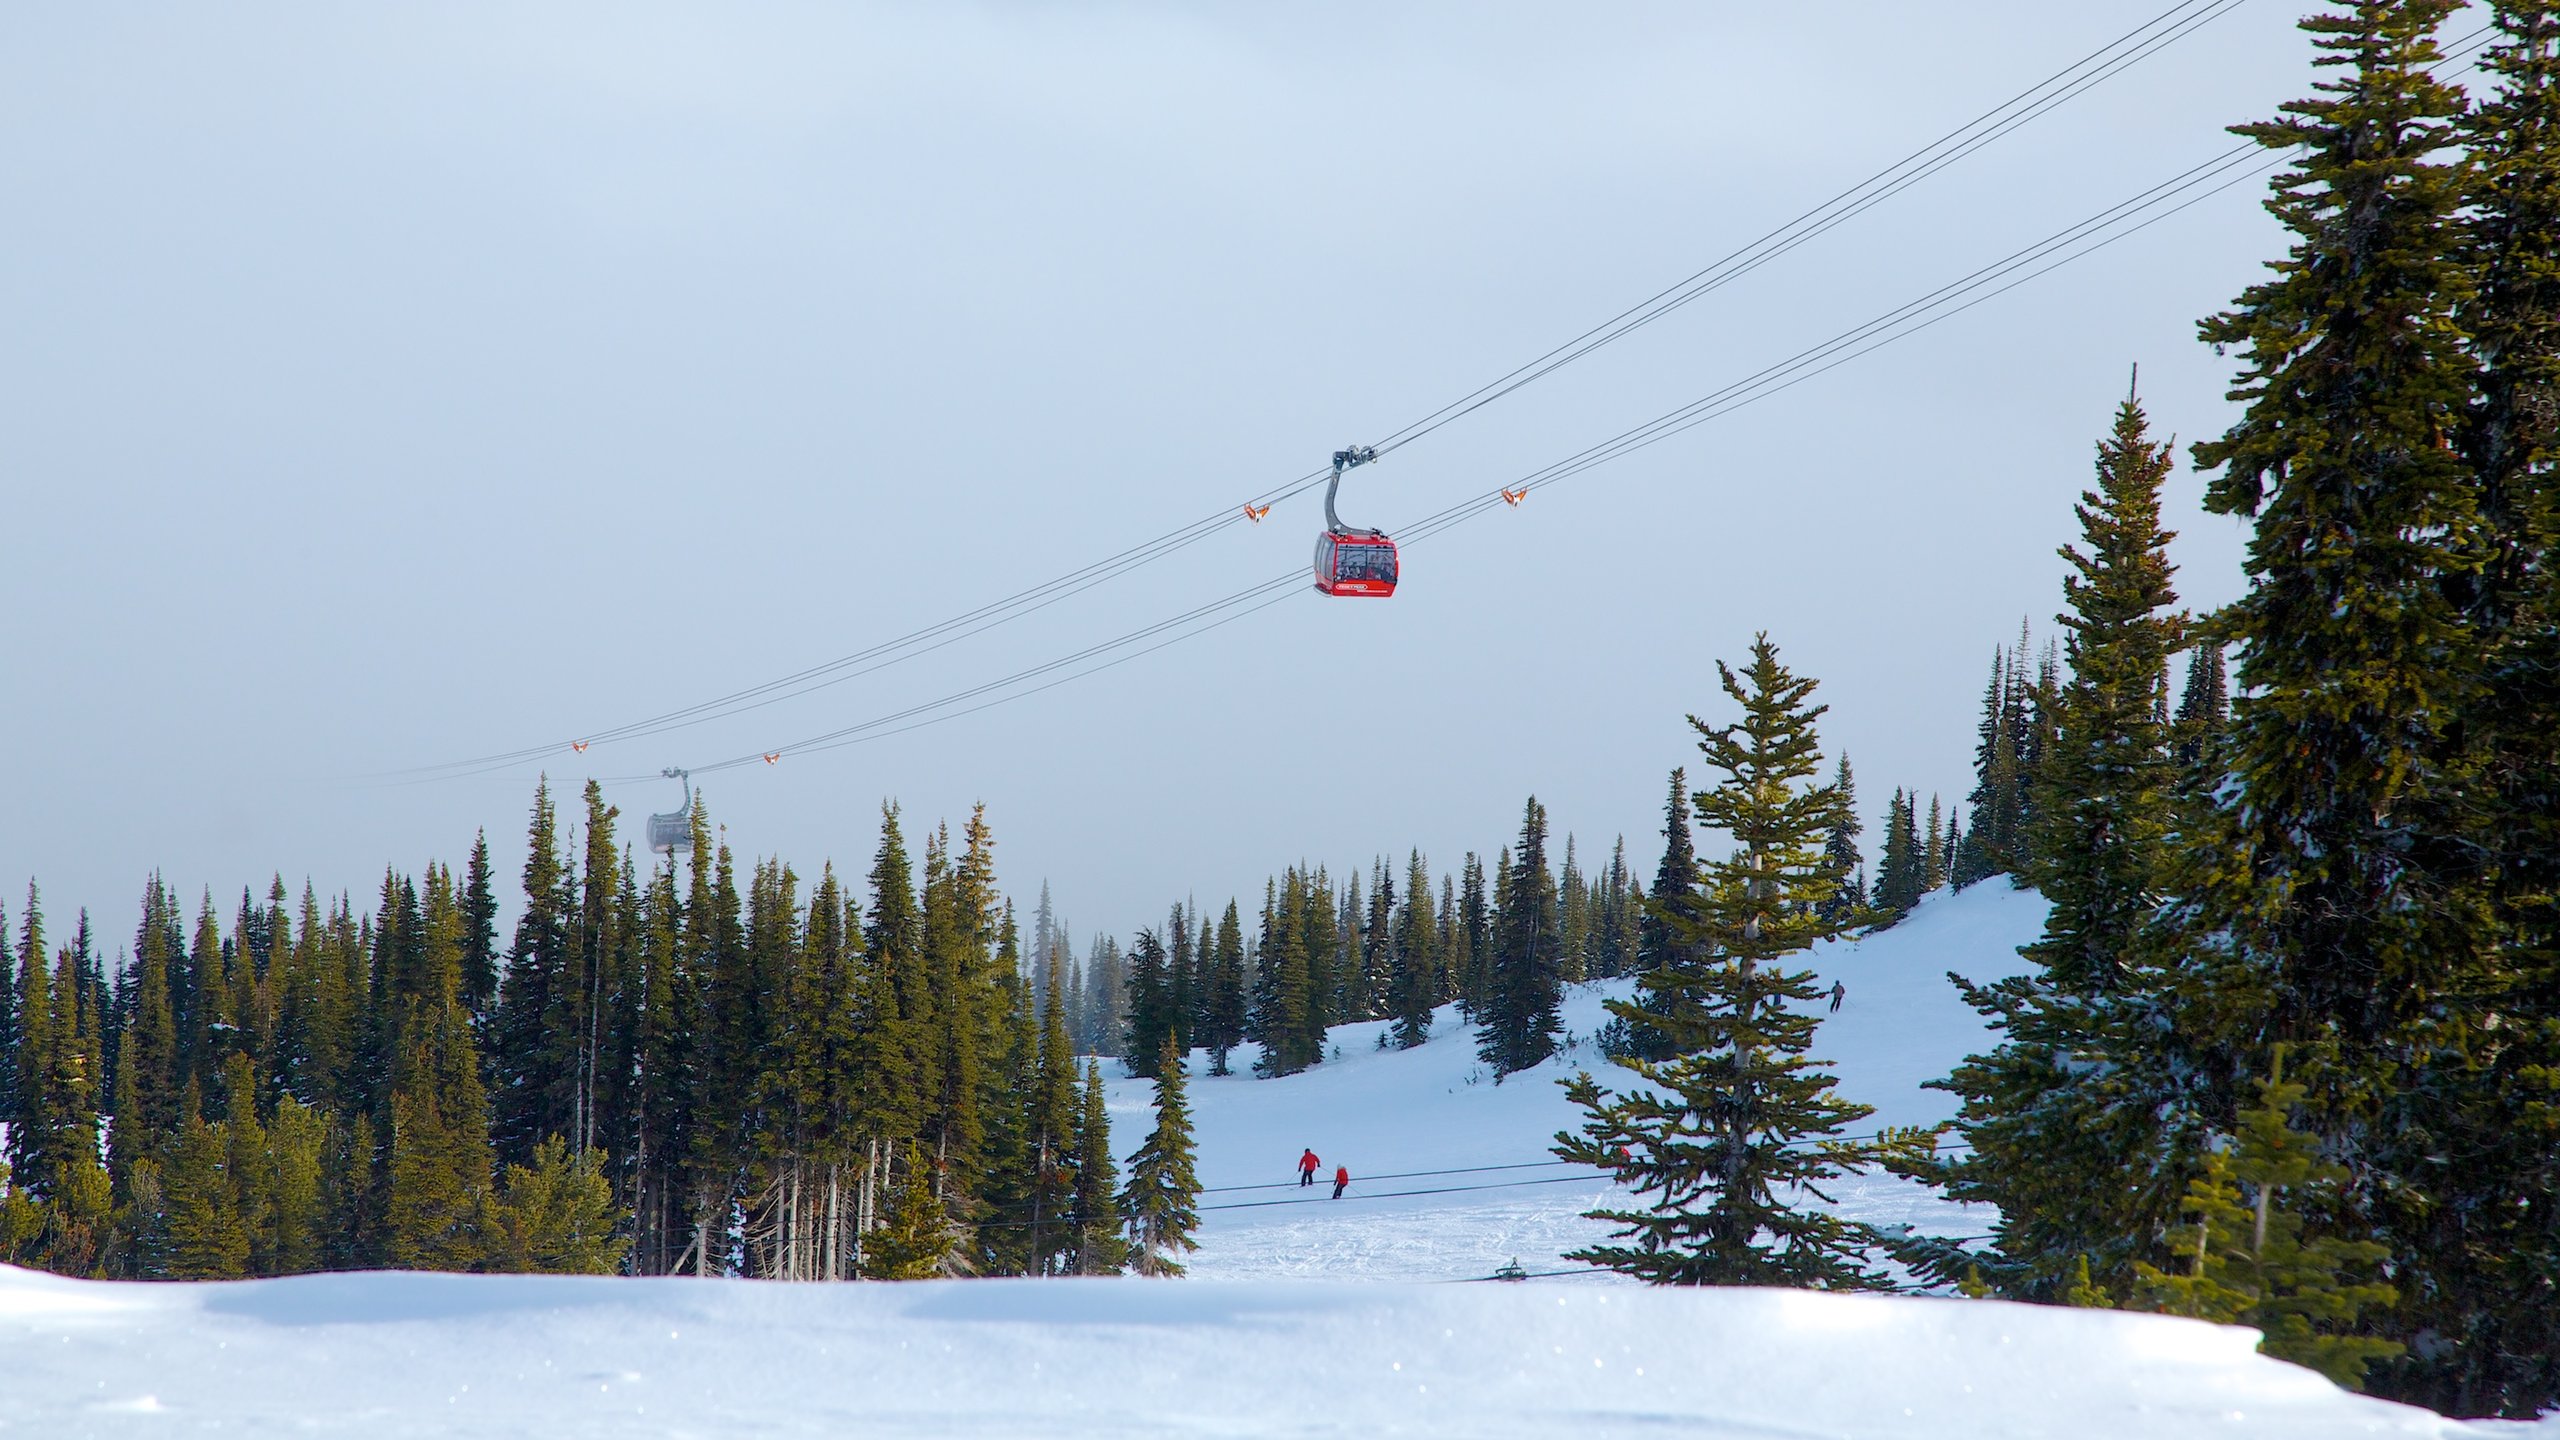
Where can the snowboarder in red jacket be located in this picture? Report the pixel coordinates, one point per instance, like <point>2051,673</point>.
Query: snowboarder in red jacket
<point>1307,1164</point>
<point>1341,1178</point>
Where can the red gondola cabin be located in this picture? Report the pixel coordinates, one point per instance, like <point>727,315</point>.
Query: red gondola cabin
<point>1349,564</point>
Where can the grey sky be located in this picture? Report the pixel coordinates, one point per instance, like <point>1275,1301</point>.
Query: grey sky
<point>390,387</point>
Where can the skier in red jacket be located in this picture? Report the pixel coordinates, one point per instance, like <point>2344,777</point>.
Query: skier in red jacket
<point>1341,1177</point>
<point>1307,1164</point>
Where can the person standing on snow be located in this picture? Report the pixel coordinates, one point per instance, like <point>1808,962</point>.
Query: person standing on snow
<point>1307,1164</point>
<point>1839,992</point>
<point>1341,1178</point>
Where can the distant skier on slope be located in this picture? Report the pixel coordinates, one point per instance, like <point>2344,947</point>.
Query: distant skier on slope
<point>1839,992</point>
<point>1341,1178</point>
<point>1307,1164</point>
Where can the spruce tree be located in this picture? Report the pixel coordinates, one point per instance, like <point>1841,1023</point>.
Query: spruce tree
<point>916,1242</point>
<point>2495,1285</point>
<point>2104,788</point>
<point>1735,1130</point>
<point>1673,880</point>
<point>1160,1204</point>
<point>1573,917</point>
<point>1227,1003</point>
<point>555,1216</point>
<point>533,1066</point>
<point>1152,1024</point>
<point>1414,990</point>
<point>1471,939</point>
<point>439,1129</point>
<point>1096,1227</point>
<point>2058,1133</point>
<point>208,1240</point>
<point>1848,897</point>
<point>2248,1260</point>
<point>1902,868</point>
<point>1524,990</point>
<point>2204,709</point>
<point>479,933</point>
<point>1379,957</point>
<point>296,1218</point>
<point>1283,1008</point>
<point>2341,902</point>
<point>1052,1130</point>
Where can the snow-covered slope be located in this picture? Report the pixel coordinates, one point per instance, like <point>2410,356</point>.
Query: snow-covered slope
<point>392,1356</point>
<point>387,1357</point>
<point>1387,1114</point>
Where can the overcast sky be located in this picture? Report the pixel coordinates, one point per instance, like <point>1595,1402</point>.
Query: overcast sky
<point>387,387</point>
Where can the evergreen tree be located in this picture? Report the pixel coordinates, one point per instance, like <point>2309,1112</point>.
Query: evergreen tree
<point>1052,1128</point>
<point>1160,1205</point>
<point>208,1239</point>
<point>2248,1260</point>
<point>533,1065</point>
<point>1848,898</point>
<point>1524,989</point>
<point>1152,1025</point>
<point>2204,708</point>
<point>1096,1228</point>
<point>1573,917</point>
<point>1902,871</point>
<point>1283,1019</point>
<point>1741,1124</point>
<point>38,1125</point>
<point>2340,902</point>
<point>1470,940</point>
<point>916,1243</point>
<point>2060,1129</point>
<point>2493,1289</point>
<point>295,1213</point>
<point>1673,880</point>
<point>554,1216</point>
<point>479,933</point>
<point>439,1135</point>
<point>9,1039</point>
<point>1226,998</point>
<point>2104,787</point>
<point>1414,990</point>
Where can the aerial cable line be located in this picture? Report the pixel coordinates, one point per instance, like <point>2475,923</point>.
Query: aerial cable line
<point>2095,233</point>
<point>2073,243</point>
<point>2099,65</point>
<point>2230,168</point>
<point>2103,63</point>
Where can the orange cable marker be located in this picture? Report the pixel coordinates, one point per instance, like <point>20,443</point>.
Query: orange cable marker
<point>1255,515</point>
<point>1514,497</point>
<point>772,756</point>
<point>578,745</point>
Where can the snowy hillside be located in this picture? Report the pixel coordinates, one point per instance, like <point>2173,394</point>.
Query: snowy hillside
<point>1389,1114</point>
<point>1254,1354</point>
<point>388,1357</point>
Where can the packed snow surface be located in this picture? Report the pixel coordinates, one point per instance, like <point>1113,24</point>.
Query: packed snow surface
<point>393,1356</point>
<point>1252,1345</point>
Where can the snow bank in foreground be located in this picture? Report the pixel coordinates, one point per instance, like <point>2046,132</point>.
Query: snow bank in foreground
<point>389,1356</point>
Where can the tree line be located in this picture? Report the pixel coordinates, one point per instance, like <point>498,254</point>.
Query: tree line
<point>2288,1049</point>
<point>689,1066</point>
